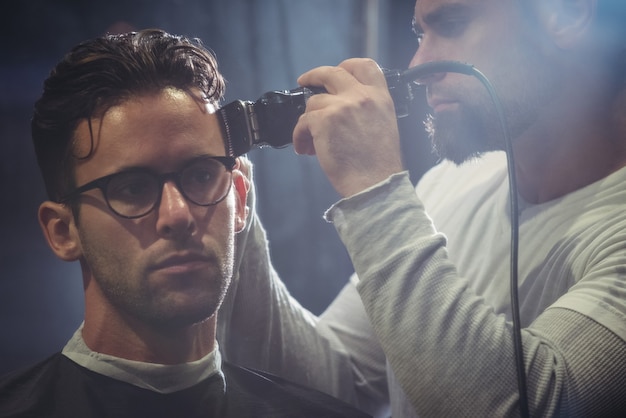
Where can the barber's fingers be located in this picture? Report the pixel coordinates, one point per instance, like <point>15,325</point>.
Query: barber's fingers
<point>311,125</point>
<point>365,70</point>
<point>319,119</point>
<point>302,137</point>
<point>349,74</point>
<point>329,78</point>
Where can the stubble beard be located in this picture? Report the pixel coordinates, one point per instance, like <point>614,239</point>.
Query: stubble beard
<point>461,135</point>
<point>129,290</point>
<point>474,128</point>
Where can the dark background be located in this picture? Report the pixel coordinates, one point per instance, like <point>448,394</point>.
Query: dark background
<point>261,46</point>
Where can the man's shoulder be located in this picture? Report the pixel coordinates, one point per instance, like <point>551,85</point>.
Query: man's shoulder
<point>24,389</point>
<point>59,387</point>
<point>271,396</point>
<point>32,373</point>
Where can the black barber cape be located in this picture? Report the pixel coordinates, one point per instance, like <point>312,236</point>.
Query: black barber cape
<point>58,387</point>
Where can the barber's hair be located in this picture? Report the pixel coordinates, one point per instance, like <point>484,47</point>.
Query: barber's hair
<point>104,72</point>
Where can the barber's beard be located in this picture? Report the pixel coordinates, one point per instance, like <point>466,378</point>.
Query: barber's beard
<point>474,128</point>
<point>463,134</point>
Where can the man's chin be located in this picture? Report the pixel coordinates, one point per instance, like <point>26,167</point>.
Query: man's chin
<point>455,143</point>
<point>179,320</point>
<point>183,310</point>
<point>455,153</point>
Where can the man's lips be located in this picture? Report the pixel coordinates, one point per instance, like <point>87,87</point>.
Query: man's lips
<point>180,263</point>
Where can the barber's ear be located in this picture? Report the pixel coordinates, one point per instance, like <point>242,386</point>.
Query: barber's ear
<point>59,229</point>
<point>567,21</point>
<point>242,186</point>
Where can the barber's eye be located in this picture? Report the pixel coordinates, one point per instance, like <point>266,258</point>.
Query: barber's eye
<point>417,32</point>
<point>452,27</point>
<point>419,36</point>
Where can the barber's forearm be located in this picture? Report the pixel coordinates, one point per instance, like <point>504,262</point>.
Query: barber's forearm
<point>447,348</point>
<point>346,320</point>
<point>260,325</point>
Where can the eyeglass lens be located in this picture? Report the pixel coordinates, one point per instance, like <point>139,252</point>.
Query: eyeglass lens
<point>134,193</point>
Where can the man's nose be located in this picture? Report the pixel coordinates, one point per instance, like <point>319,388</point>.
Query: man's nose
<point>422,56</point>
<point>174,213</point>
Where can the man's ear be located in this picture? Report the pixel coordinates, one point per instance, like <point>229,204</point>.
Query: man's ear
<point>59,229</point>
<point>242,186</point>
<point>567,21</point>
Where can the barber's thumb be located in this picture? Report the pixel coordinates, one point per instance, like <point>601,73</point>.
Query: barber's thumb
<point>302,138</point>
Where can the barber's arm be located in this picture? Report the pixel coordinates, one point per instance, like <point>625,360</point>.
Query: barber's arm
<point>260,325</point>
<point>452,354</point>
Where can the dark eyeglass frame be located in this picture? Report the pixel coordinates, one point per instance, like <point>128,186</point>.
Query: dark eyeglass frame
<point>103,182</point>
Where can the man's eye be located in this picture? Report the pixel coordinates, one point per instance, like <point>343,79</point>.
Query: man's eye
<point>135,189</point>
<point>419,37</point>
<point>451,28</point>
<point>131,187</point>
<point>417,32</point>
<point>200,175</point>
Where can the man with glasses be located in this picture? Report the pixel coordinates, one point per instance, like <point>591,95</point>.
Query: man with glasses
<point>143,196</point>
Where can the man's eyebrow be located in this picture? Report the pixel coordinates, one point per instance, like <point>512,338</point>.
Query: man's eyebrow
<point>151,167</point>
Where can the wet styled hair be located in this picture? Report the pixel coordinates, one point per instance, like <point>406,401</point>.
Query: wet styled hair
<point>104,72</point>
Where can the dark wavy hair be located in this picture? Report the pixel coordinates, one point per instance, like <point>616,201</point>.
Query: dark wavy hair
<point>104,72</point>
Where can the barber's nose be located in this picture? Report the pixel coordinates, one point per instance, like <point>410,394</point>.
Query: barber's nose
<point>422,55</point>
<point>174,213</point>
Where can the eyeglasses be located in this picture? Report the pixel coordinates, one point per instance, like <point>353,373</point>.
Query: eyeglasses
<point>134,193</point>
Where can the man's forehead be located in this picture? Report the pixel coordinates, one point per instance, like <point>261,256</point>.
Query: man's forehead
<point>431,11</point>
<point>427,6</point>
<point>151,119</point>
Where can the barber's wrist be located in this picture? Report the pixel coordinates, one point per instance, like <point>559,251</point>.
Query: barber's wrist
<point>382,188</point>
<point>356,184</point>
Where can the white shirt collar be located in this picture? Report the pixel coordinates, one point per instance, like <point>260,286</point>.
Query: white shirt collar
<point>162,378</point>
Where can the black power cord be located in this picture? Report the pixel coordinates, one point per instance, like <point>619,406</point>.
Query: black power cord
<point>434,67</point>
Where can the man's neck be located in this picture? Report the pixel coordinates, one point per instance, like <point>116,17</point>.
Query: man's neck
<point>134,340</point>
<point>554,159</point>
<point>155,377</point>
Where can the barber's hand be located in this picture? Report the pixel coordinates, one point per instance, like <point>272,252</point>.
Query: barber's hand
<point>353,128</point>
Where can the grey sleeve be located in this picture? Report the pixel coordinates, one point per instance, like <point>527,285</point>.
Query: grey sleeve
<point>347,321</point>
<point>260,325</point>
<point>450,352</point>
